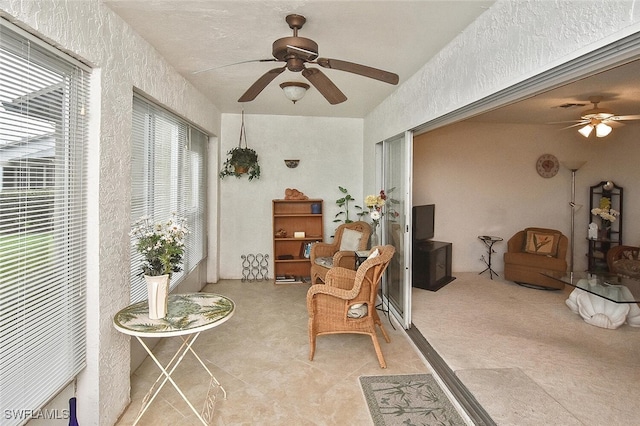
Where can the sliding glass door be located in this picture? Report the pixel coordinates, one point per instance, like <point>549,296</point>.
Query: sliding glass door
<point>396,173</point>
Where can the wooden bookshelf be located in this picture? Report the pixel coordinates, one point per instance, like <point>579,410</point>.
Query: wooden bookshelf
<point>291,217</point>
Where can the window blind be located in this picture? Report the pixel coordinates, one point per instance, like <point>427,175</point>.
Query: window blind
<point>168,175</point>
<point>43,140</point>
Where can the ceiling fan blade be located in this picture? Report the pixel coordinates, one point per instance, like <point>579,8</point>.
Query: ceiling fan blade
<point>582,123</point>
<point>568,121</point>
<point>625,117</point>
<point>235,63</point>
<point>363,70</point>
<point>260,84</point>
<point>325,86</point>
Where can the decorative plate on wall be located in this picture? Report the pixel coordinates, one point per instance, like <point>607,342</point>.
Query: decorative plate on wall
<point>547,165</point>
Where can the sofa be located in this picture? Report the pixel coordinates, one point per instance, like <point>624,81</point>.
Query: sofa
<point>623,260</point>
<point>532,252</point>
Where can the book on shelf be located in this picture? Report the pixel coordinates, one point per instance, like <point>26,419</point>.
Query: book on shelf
<point>291,279</point>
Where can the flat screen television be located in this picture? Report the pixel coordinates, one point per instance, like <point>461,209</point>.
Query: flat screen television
<point>423,222</point>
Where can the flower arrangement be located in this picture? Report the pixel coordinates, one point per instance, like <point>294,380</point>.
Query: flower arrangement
<point>606,213</point>
<point>161,244</point>
<point>376,203</point>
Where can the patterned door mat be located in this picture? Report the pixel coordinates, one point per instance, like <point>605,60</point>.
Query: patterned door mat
<point>412,399</point>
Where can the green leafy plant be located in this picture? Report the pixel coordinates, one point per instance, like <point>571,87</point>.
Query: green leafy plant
<point>343,202</point>
<point>161,244</point>
<point>241,161</point>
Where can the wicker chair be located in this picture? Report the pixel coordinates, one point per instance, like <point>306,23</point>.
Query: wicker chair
<point>331,305</point>
<point>326,255</point>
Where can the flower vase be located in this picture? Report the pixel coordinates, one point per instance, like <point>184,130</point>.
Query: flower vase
<point>373,238</point>
<point>157,294</point>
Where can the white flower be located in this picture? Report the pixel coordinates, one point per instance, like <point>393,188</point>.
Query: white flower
<point>375,215</point>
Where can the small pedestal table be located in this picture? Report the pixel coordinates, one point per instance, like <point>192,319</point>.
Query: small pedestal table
<point>187,316</point>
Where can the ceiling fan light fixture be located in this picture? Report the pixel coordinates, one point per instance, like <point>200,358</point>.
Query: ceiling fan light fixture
<point>294,90</point>
<point>586,130</point>
<point>602,130</point>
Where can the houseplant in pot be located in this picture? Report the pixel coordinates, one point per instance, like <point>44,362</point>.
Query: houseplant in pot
<point>241,159</point>
<point>161,245</point>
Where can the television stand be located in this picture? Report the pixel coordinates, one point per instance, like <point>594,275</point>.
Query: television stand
<point>431,265</point>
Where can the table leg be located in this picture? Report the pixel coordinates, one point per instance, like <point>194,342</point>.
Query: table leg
<point>207,412</point>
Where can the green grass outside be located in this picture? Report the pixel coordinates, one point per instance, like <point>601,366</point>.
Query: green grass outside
<point>21,254</point>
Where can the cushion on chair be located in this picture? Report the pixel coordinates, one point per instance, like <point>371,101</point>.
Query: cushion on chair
<point>327,262</point>
<point>627,267</point>
<point>373,254</point>
<point>350,240</point>
<point>541,243</point>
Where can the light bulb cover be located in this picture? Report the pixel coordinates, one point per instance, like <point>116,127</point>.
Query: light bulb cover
<point>602,130</point>
<point>586,130</point>
<point>294,90</point>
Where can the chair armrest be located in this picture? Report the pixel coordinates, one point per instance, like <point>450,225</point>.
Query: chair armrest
<point>322,250</point>
<point>616,253</point>
<point>345,259</point>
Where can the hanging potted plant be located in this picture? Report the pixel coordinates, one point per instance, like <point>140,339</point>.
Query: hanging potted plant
<point>241,160</point>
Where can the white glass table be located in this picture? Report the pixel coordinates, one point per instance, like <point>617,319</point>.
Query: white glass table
<point>188,315</point>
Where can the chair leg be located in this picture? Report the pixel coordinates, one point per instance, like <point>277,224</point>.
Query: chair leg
<point>376,345</point>
<point>384,333</point>
<point>312,341</point>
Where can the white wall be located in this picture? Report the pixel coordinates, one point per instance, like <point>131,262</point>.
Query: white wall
<point>483,180</point>
<point>122,60</point>
<point>509,43</point>
<point>330,154</point>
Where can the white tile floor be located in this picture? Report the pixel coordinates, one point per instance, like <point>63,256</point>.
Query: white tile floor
<point>261,358</point>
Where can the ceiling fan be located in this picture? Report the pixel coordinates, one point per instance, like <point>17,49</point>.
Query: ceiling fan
<point>598,119</point>
<point>297,52</point>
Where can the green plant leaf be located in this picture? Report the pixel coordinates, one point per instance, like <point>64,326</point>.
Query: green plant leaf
<point>343,190</point>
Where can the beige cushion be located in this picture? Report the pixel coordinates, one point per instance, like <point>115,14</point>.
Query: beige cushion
<point>350,240</point>
<point>542,243</point>
<point>327,262</point>
<point>373,254</point>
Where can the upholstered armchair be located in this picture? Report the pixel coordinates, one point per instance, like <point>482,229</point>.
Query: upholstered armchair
<point>532,252</point>
<point>349,238</point>
<point>346,302</point>
<point>624,260</point>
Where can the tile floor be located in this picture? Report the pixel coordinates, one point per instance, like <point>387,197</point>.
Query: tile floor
<point>260,356</point>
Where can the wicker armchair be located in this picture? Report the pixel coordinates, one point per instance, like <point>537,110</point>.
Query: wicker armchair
<point>346,303</point>
<point>326,255</point>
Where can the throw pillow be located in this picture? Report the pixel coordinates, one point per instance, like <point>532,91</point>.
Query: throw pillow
<point>373,254</point>
<point>357,310</point>
<point>542,243</point>
<point>350,240</point>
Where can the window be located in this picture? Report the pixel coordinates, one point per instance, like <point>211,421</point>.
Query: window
<point>168,175</point>
<point>43,139</point>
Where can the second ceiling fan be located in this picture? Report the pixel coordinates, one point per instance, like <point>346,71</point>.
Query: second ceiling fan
<point>297,52</point>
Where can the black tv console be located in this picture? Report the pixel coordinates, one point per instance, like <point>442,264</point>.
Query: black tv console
<point>431,265</point>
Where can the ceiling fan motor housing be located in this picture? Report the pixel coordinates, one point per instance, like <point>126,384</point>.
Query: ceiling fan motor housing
<point>282,49</point>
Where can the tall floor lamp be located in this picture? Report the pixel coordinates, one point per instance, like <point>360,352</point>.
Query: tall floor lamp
<point>574,166</point>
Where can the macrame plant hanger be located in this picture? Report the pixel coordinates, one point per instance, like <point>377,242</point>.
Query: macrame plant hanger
<point>243,133</point>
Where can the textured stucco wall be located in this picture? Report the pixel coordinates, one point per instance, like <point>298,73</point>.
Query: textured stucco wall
<point>509,43</point>
<point>329,153</point>
<point>122,61</point>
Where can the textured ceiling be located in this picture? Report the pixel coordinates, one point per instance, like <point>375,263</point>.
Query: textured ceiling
<point>397,36</point>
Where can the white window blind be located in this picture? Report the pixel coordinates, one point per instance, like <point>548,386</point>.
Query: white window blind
<point>168,174</point>
<point>43,139</point>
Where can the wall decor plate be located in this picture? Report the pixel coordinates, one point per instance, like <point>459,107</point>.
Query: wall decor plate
<point>547,165</point>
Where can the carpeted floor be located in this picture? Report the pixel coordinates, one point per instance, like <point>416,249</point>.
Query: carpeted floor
<point>410,399</point>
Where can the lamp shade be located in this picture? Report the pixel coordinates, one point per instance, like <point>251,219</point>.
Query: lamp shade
<point>294,90</point>
<point>602,130</point>
<point>586,130</point>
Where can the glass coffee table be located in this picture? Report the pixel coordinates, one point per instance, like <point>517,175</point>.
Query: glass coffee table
<point>607,286</point>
